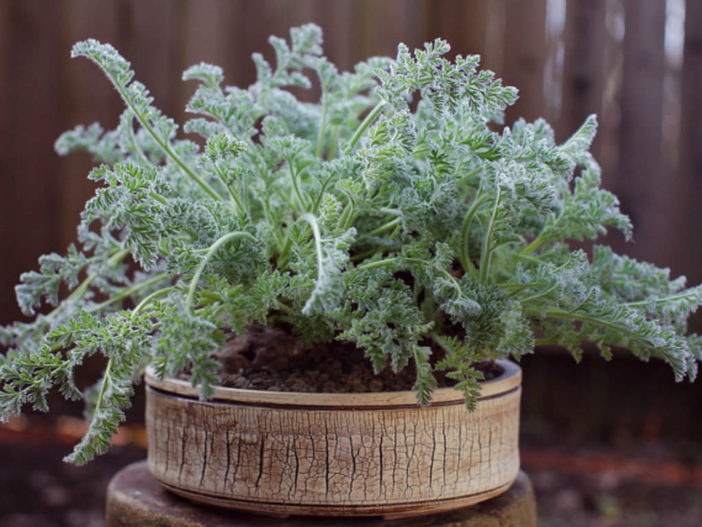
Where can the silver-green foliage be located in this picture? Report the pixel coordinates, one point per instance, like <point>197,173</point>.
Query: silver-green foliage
<point>391,213</point>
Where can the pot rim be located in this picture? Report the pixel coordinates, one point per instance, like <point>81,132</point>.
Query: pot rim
<point>509,380</point>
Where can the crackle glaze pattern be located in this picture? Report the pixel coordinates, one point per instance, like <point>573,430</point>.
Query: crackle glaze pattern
<point>356,454</point>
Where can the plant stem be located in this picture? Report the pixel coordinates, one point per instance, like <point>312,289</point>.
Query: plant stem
<point>534,245</point>
<point>318,201</point>
<point>232,194</point>
<point>284,249</point>
<point>368,253</point>
<point>309,218</point>
<point>103,387</point>
<point>419,261</point>
<point>486,249</point>
<point>322,127</point>
<point>151,297</point>
<point>438,340</point>
<point>527,258</point>
<point>537,242</point>
<point>211,296</point>
<point>265,205</point>
<point>515,288</point>
<point>365,124</point>
<point>164,145</point>
<point>158,198</point>
<point>126,125</point>
<point>79,291</point>
<point>469,174</point>
<point>385,227</point>
<point>345,215</point>
<point>333,142</point>
<point>658,300</point>
<point>539,294</point>
<point>465,257</point>
<point>378,263</point>
<point>128,292</point>
<point>283,307</point>
<point>208,256</point>
<point>298,194</point>
<point>544,341</point>
<point>394,233</point>
<point>566,315</point>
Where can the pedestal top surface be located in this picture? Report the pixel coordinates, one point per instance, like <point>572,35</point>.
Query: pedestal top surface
<point>136,499</point>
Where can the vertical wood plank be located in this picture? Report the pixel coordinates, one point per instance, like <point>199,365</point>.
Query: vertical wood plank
<point>278,16</point>
<point>381,25</point>
<point>86,97</point>
<point>642,185</point>
<point>495,26</point>
<point>584,66</point>
<point>30,127</point>
<point>228,32</point>
<point>155,46</point>
<point>607,141</point>
<point>216,32</point>
<point>592,82</point>
<point>524,56</point>
<point>462,23</point>
<point>337,20</point>
<point>554,52</point>
<point>689,189</point>
<point>7,224</point>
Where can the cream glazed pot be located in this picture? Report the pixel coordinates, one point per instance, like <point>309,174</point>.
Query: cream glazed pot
<point>361,454</point>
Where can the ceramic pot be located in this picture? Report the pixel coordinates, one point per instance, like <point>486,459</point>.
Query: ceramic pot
<point>362,454</point>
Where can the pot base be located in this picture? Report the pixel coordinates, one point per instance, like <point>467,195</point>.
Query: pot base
<point>135,498</point>
<point>389,512</point>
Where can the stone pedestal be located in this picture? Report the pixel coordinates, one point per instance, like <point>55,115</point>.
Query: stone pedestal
<point>135,499</point>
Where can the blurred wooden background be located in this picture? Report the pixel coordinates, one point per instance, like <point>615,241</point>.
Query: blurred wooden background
<point>636,63</point>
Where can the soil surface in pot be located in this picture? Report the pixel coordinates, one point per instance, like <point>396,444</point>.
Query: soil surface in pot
<point>273,359</point>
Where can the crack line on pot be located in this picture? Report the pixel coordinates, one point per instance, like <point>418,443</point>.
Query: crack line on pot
<point>260,461</point>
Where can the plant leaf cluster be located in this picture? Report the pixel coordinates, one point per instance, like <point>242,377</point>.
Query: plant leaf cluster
<point>394,212</point>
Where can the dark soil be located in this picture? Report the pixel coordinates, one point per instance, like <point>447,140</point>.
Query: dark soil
<point>273,359</point>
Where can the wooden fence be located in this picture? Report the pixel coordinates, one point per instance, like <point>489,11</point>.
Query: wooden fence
<point>636,63</point>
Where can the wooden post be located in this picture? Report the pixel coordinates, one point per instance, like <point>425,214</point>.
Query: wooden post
<point>641,183</point>
<point>462,23</point>
<point>85,96</point>
<point>584,65</point>
<point>525,57</point>
<point>28,126</point>
<point>689,187</point>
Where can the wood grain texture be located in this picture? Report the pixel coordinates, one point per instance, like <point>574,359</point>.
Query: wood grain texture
<point>647,201</point>
<point>584,67</point>
<point>391,459</point>
<point>688,186</point>
<point>524,63</point>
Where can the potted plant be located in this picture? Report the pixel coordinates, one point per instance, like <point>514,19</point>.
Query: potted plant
<point>392,223</point>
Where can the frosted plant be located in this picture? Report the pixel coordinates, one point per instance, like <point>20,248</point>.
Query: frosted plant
<point>394,213</point>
